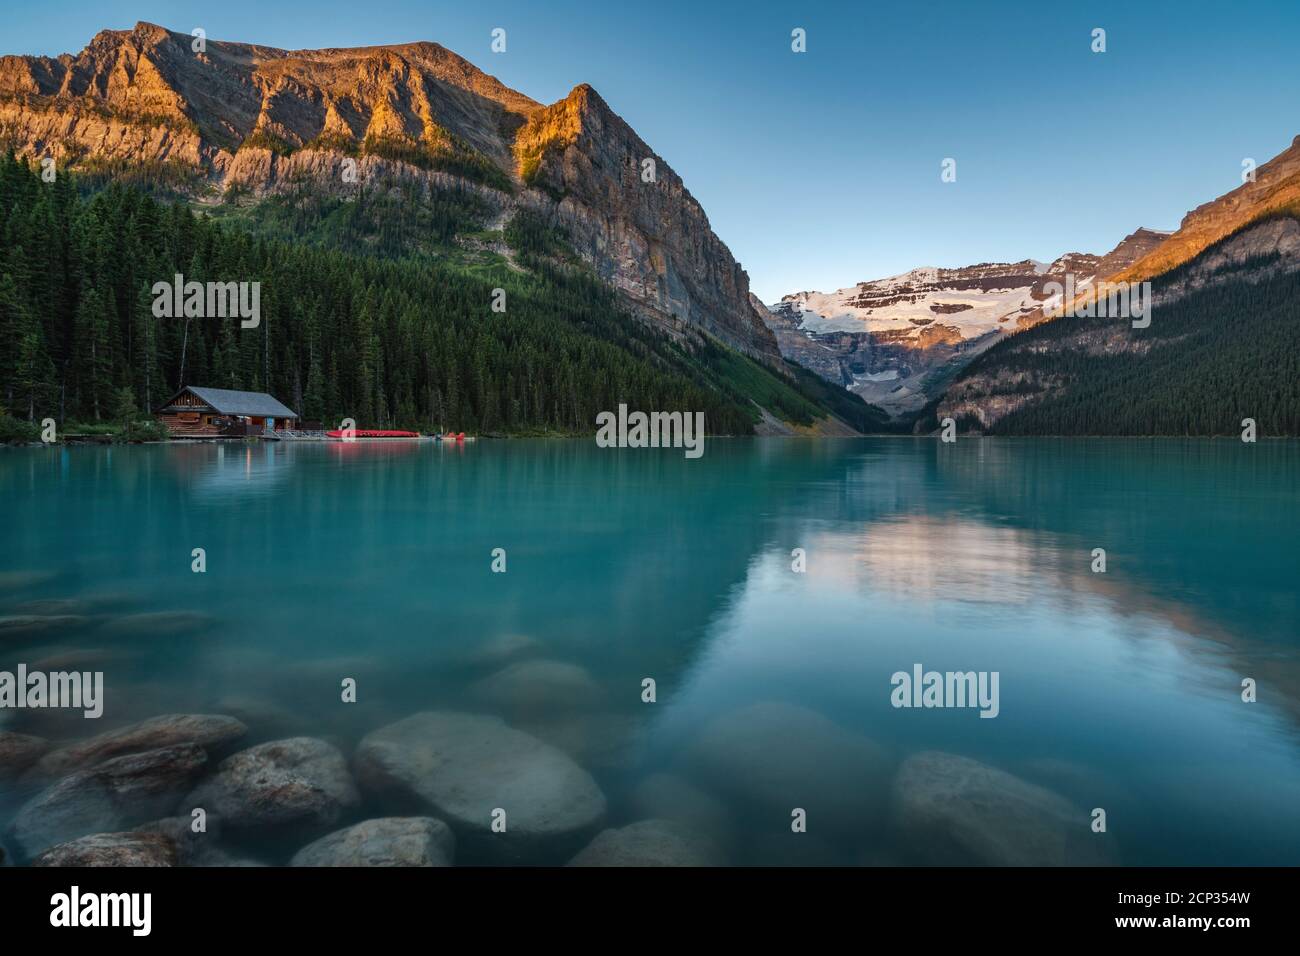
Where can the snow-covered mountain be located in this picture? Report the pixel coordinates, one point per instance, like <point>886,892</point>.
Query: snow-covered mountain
<point>898,341</point>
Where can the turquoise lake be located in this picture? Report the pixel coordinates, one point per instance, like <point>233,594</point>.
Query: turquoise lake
<point>1119,690</point>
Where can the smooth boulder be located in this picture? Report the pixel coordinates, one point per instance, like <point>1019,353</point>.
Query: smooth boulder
<point>649,843</point>
<point>535,687</point>
<point>464,767</point>
<point>209,731</point>
<point>771,758</point>
<point>598,740</point>
<point>389,841</point>
<point>953,810</point>
<point>112,849</point>
<point>115,795</point>
<point>666,796</point>
<point>300,782</point>
<point>502,647</point>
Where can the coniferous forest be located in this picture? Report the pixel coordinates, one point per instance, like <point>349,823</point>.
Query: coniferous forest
<point>356,320</point>
<point>1209,359</point>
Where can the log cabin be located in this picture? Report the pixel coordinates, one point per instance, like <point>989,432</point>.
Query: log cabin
<point>196,412</point>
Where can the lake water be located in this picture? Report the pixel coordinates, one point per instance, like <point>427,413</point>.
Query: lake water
<point>1119,690</point>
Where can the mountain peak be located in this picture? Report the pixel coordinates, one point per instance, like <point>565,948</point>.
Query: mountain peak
<point>266,118</point>
<point>145,34</point>
<point>1274,188</point>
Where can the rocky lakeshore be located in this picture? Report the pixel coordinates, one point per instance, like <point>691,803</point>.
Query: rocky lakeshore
<point>529,760</point>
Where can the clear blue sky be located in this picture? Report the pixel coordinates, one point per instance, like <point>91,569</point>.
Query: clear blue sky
<point>822,169</point>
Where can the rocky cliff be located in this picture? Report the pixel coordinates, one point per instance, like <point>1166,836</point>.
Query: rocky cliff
<point>267,120</point>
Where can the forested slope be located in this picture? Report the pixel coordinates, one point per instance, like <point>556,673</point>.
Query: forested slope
<point>358,318</point>
<point>1223,345</point>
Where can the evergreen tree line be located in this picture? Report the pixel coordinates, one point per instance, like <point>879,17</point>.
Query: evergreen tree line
<point>392,341</point>
<point>1207,361</point>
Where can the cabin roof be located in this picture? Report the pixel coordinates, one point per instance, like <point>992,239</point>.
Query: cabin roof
<point>228,401</point>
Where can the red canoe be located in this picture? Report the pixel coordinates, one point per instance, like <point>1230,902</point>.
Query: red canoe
<point>372,433</point>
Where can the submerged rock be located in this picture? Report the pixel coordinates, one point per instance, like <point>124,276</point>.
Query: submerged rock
<point>196,849</point>
<point>18,752</point>
<point>191,847</point>
<point>89,604</point>
<point>463,767</point>
<point>27,627</point>
<point>54,606</point>
<point>598,741</point>
<point>501,648</point>
<point>209,731</point>
<point>112,849</point>
<point>264,718</point>
<point>220,858</point>
<point>331,670</point>
<point>159,624</point>
<point>649,843</point>
<point>539,687</point>
<point>24,580</point>
<point>668,797</point>
<point>955,810</point>
<point>117,794</point>
<point>79,659</point>
<point>773,757</point>
<point>299,783</point>
<point>389,841</point>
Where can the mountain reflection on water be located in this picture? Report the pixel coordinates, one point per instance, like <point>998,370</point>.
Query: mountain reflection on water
<point>373,561</point>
